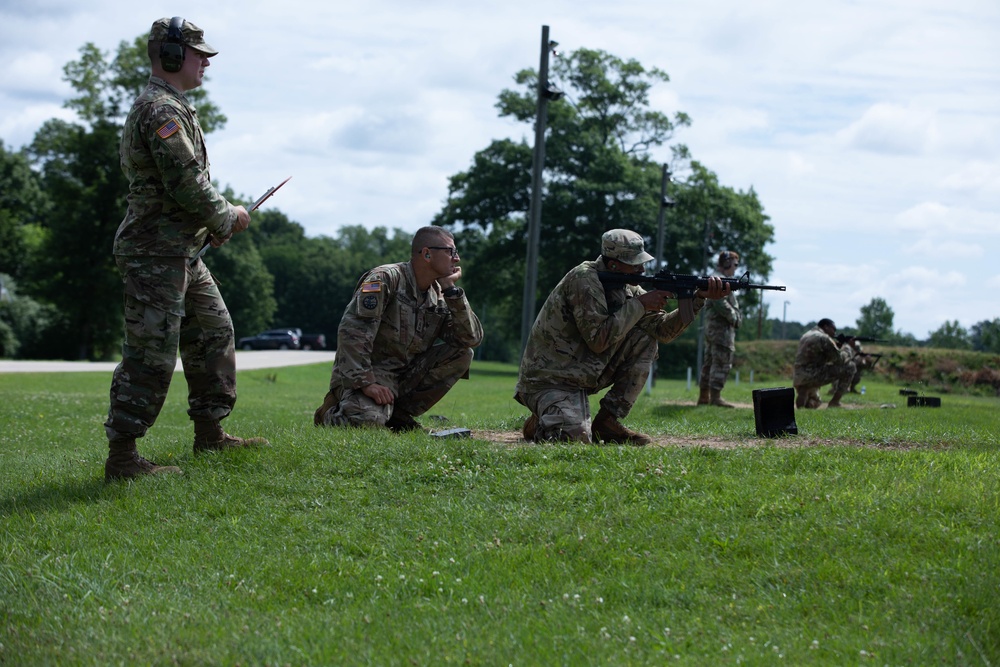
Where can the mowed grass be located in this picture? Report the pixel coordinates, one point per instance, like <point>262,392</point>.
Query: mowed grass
<point>872,537</point>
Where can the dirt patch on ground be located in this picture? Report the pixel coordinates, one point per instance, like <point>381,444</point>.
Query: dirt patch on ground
<point>514,439</point>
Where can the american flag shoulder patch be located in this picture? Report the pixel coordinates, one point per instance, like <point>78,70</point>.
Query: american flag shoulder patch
<point>372,286</point>
<point>168,129</point>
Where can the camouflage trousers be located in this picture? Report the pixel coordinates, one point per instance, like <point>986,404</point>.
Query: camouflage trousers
<point>716,365</point>
<point>418,388</point>
<point>809,379</point>
<point>170,305</point>
<point>564,412</point>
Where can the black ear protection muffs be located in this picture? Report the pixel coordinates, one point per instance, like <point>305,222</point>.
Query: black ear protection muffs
<point>172,49</point>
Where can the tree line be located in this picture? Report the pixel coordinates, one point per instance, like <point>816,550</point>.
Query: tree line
<point>62,198</point>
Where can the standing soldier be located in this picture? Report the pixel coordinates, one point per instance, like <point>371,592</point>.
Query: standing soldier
<point>170,302</point>
<point>722,319</point>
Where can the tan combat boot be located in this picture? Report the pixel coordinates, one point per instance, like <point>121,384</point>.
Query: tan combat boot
<point>607,428</point>
<point>530,427</point>
<point>717,401</point>
<point>328,402</point>
<point>209,436</point>
<point>704,397</point>
<point>124,462</point>
<point>835,401</point>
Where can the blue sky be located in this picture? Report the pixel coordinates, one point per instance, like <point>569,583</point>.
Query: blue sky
<point>870,130</point>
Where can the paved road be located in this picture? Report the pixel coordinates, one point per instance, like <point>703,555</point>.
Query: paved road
<point>245,360</point>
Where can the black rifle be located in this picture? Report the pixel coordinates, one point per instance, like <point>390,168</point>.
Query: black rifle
<point>843,338</point>
<point>682,286</point>
<point>876,357</point>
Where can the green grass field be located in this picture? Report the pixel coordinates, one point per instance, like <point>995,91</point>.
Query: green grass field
<point>872,537</point>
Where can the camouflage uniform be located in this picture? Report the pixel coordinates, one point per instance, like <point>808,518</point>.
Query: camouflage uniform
<point>172,208</point>
<point>862,362</point>
<point>819,361</point>
<point>418,344</point>
<point>722,319</point>
<point>587,338</point>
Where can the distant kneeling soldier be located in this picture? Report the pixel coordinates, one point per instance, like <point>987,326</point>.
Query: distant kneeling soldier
<point>820,360</point>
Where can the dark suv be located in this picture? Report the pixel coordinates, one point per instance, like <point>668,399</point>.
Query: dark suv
<point>274,339</point>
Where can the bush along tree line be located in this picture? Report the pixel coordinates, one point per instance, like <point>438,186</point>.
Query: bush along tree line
<point>63,196</point>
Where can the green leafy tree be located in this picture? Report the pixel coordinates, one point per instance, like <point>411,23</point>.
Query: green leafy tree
<point>985,336</point>
<point>951,336</point>
<point>24,322</point>
<point>74,269</point>
<point>599,175</point>
<point>23,205</point>
<point>876,319</point>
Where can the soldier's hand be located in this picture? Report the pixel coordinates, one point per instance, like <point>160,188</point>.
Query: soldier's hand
<point>654,300</point>
<point>381,394</point>
<point>449,280</point>
<point>716,289</point>
<point>242,220</point>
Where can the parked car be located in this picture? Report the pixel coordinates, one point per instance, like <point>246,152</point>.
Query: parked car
<point>311,341</point>
<point>273,339</point>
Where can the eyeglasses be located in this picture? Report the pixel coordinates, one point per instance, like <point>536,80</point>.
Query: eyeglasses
<point>452,252</point>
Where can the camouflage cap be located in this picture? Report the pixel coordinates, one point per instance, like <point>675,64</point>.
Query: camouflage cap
<point>191,35</point>
<point>625,246</point>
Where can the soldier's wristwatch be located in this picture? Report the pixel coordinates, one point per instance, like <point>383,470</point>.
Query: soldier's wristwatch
<point>452,292</point>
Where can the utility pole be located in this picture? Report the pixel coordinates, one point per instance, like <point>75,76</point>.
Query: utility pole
<point>545,94</point>
<point>665,203</point>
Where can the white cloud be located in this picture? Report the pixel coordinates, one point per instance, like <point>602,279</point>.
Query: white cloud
<point>949,221</point>
<point>944,250</point>
<point>893,129</point>
<point>976,176</point>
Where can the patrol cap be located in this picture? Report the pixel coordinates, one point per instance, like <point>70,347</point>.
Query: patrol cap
<point>191,35</point>
<point>625,246</point>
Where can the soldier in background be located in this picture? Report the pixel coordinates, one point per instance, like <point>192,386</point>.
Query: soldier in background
<point>405,339</point>
<point>722,319</point>
<point>173,208</point>
<point>820,360</point>
<point>862,362</point>
<point>587,338</point>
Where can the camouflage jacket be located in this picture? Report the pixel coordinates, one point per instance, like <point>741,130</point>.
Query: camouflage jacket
<point>580,327</point>
<point>817,349</point>
<point>172,204</point>
<point>722,319</point>
<point>389,321</point>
